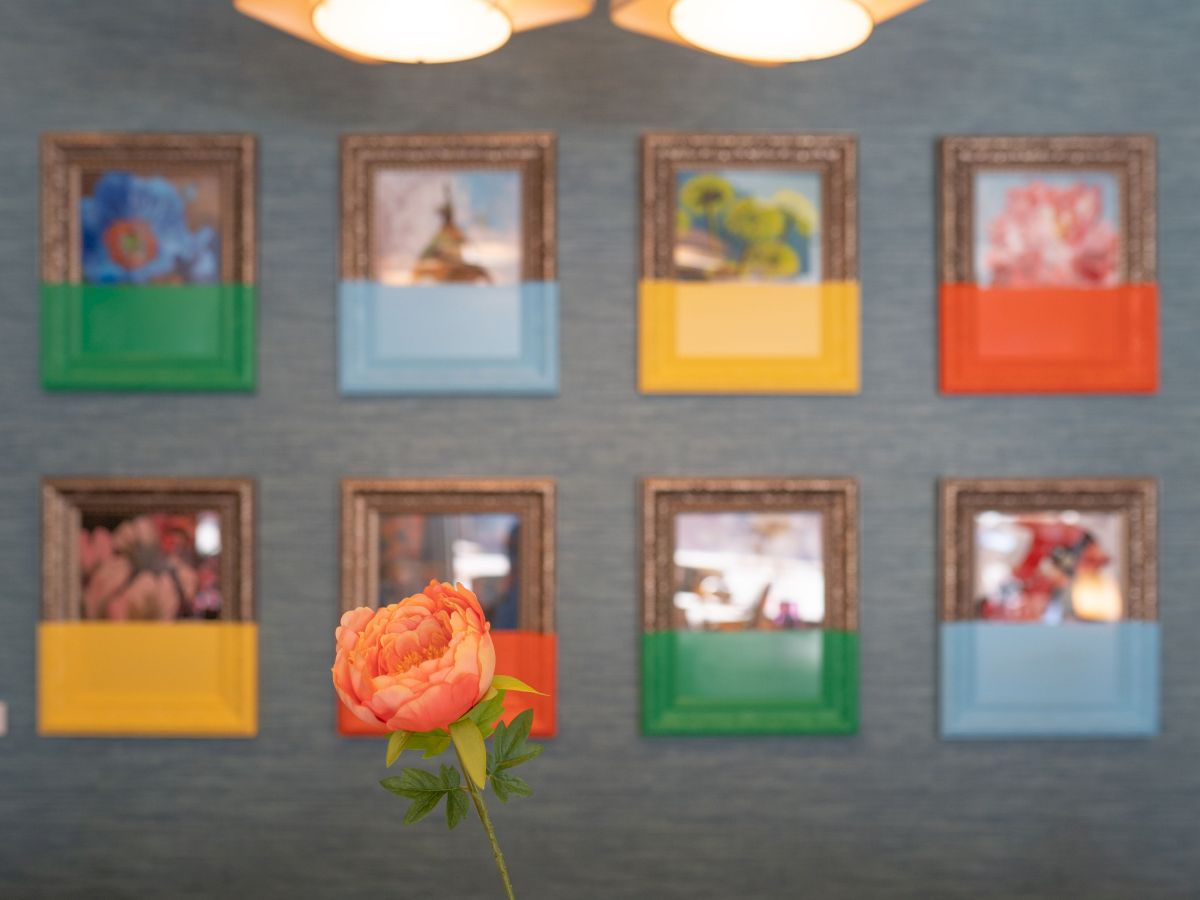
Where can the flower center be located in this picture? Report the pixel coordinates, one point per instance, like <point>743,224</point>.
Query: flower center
<point>131,243</point>
<point>415,657</point>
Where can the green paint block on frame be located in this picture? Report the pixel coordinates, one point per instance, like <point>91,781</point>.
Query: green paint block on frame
<point>750,682</point>
<point>194,337</point>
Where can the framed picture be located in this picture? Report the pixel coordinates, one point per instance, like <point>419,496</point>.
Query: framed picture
<point>749,606</point>
<point>494,536</point>
<point>148,262</point>
<point>148,616</point>
<point>1049,610</point>
<point>749,264</point>
<point>448,264</point>
<point>1048,269</point>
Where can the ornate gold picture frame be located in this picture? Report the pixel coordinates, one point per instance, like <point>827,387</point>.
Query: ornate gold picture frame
<point>448,264</point>
<point>749,605</point>
<point>1135,500</point>
<point>749,264</point>
<point>66,502</point>
<point>149,262</point>
<point>834,157</point>
<point>68,159</point>
<point>531,154</point>
<point>148,625</point>
<point>526,647</point>
<point>1129,158</point>
<point>1049,608</point>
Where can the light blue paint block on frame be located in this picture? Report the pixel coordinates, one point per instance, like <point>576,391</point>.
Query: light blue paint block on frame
<point>447,339</point>
<point>1031,680</point>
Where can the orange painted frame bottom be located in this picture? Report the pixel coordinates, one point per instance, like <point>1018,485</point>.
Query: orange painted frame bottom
<point>1051,340</point>
<point>528,655</point>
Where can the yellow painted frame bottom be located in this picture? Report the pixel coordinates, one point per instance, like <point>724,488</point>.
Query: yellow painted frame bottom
<point>737,337</point>
<point>160,679</point>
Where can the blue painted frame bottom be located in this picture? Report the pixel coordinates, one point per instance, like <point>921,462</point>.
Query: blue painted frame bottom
<point>447,339</point>
<point>1030,680</point>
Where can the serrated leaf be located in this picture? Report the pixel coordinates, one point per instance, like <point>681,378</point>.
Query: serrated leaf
<point>469,743</point>
<point>422,806</point>
<point>508,683</point>
<point>506,785</point>
<point>515,734</point>
<point>456,808</point>
<point>412,783</point>
<point>532,751</point>
<point>396,742</point>
<point>424,789</point>
<point>509,748</point>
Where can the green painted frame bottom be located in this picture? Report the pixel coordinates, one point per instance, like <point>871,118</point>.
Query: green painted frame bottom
<point>750,682</point>
<point>192,337</point>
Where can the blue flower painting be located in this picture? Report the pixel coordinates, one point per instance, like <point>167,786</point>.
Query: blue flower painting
<point>139,229</point>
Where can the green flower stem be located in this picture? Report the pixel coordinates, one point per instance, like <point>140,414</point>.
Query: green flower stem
<point>477,799</point>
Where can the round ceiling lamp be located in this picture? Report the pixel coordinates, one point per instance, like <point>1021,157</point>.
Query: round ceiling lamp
<point>772,31</point>
<point>760,32</point>
<point>411,31</point>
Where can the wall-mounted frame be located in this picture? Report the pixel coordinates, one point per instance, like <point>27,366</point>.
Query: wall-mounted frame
<point>1048,272</point>
<point>749,606</point>
<point>749,264</point>
<point>1049,610</point>
<point>447,264</point>
<point>148,617</point>
<point>494,535</point>
<point>148,262</point>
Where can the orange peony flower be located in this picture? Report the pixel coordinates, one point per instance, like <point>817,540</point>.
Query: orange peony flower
<point>416,665</point>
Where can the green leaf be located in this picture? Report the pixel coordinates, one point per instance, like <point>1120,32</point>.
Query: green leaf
<point>506,785</point>
<point>513,735</point>
<point>413,783</point>
<point>431,743</point>
<point>426,790</point>
<point>449,777</point>
<point>422,806</point>
<point>456,808</point>
<point>487,711</point>
<point>396,742</point>
<point>437,747</point>
<point>509,747</point>
<point>469,743</point>
<point>508,683</point>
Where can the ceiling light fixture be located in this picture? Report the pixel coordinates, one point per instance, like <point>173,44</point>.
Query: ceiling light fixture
<point>760,32</point>
<point>411,31</point>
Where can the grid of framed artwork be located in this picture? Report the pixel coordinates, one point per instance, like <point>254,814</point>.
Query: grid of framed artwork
<point>1048,619</point>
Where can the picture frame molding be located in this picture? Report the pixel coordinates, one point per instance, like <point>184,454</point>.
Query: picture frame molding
<point>962,498</point>
<point>834,156</point>
<point>531,153</point>
<point>532,499</point>
<point>66,155</point>
<point>64,500</point>
<point>835,497</point>
<point>1130,157</point>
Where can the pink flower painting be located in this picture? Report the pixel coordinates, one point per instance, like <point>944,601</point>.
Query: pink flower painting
<point>156,566</point>
<point>1047,232</point>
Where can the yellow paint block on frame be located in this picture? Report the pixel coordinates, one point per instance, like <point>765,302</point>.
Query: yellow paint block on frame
<point>770,320</point>
<point>160,679</point>
<point>735,337</point>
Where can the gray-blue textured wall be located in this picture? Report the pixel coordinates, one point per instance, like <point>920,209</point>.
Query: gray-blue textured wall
<point>892,812</point>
